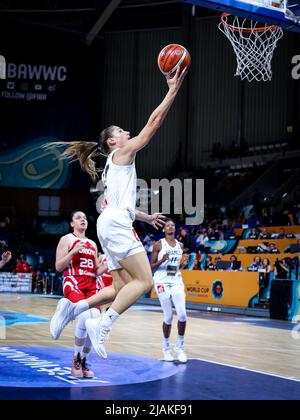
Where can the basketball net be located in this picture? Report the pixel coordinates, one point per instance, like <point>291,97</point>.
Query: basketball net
<point>253,45</point>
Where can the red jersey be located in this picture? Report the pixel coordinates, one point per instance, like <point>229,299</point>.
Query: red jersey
<point>18,268</point>
<point>25,267</point>
<point>84,262</point>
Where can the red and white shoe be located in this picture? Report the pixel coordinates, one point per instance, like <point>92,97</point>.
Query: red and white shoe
<point>76,367</point>
<point>87,372</point>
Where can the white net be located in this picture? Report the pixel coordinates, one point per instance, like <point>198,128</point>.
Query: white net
<point>253,44</point>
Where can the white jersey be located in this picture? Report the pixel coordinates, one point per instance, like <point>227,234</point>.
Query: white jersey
<point>168,271</point>
<point>120,186</point>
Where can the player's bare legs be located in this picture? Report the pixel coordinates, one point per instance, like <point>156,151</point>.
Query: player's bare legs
<point>133,281</point>
<point>139,282</point>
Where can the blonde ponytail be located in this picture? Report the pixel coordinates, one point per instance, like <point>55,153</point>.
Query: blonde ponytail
<point>83,151</point>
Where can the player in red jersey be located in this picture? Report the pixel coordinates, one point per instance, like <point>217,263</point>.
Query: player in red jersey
<point>77,257</point>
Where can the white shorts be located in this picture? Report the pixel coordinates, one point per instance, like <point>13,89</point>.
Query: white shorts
<point>117,236</point>
<point>167,290</point>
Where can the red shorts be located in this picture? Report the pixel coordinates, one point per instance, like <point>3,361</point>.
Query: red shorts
<point>79,288</point>
<point>107,279</point>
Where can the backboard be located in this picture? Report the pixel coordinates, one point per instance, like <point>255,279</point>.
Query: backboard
<point>283,13</point>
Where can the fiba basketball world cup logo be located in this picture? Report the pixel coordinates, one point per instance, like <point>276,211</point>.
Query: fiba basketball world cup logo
<point>2,328</point>
<point>2,67</point>
<point>218,290</point>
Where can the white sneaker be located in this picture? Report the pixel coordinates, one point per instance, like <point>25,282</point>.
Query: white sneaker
<point>98,336</point>
<point>180,354</point>
<point>168,357</point>
<point>63,315</point>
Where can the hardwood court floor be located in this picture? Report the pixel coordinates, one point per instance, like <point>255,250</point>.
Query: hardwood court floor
<point>264,346</point>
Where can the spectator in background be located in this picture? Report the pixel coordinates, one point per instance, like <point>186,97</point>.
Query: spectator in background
<point>235,264</point>
<point>187,240</point>
<point>264,277</point>
<point>201,238</point>
<point>256,265</point>
<point>148,243</point>
<point>219,233</point>
<point>281,269</point>
<point>253,234</point>
<point>264,234</point>
<point>185,261</point>
<point>293,248</point>
<point>39,283</point>
<point>212,234</point>
<point>31,270</point>
<point>25,265</point>
<point>209,265</point>
<point>266,266</point>
<point>216,261</point>
<point>230,234</point>
<point>282,234</point>
<point>22,265</point>
<point>18,267</point>
<point>272,248</point>
<point>5,258</point>
<point>33,273</point>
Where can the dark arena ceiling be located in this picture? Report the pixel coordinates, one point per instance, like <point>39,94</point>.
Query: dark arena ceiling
<point>82,16</point>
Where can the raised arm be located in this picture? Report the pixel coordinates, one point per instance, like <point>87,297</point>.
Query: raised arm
<point>126,154</point>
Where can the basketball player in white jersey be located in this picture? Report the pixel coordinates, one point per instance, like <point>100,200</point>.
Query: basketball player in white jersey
<point>169,287</point>
<point>77,257</point>
<point>127,259</point>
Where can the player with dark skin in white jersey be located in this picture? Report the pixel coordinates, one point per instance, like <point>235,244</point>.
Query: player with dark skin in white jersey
<point>169,287</point>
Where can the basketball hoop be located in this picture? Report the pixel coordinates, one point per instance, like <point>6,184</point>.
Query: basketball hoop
<point>253,45</point>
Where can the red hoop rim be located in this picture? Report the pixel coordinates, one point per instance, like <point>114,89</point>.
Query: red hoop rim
<point>247,30</point>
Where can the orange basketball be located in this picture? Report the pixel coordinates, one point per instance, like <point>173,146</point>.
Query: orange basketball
<point>171,57</point>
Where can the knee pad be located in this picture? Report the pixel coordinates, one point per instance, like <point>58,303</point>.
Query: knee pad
<point>168,318</point>
<point>166,306</point>
<point>168,321</point>
<point>182,316</point>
